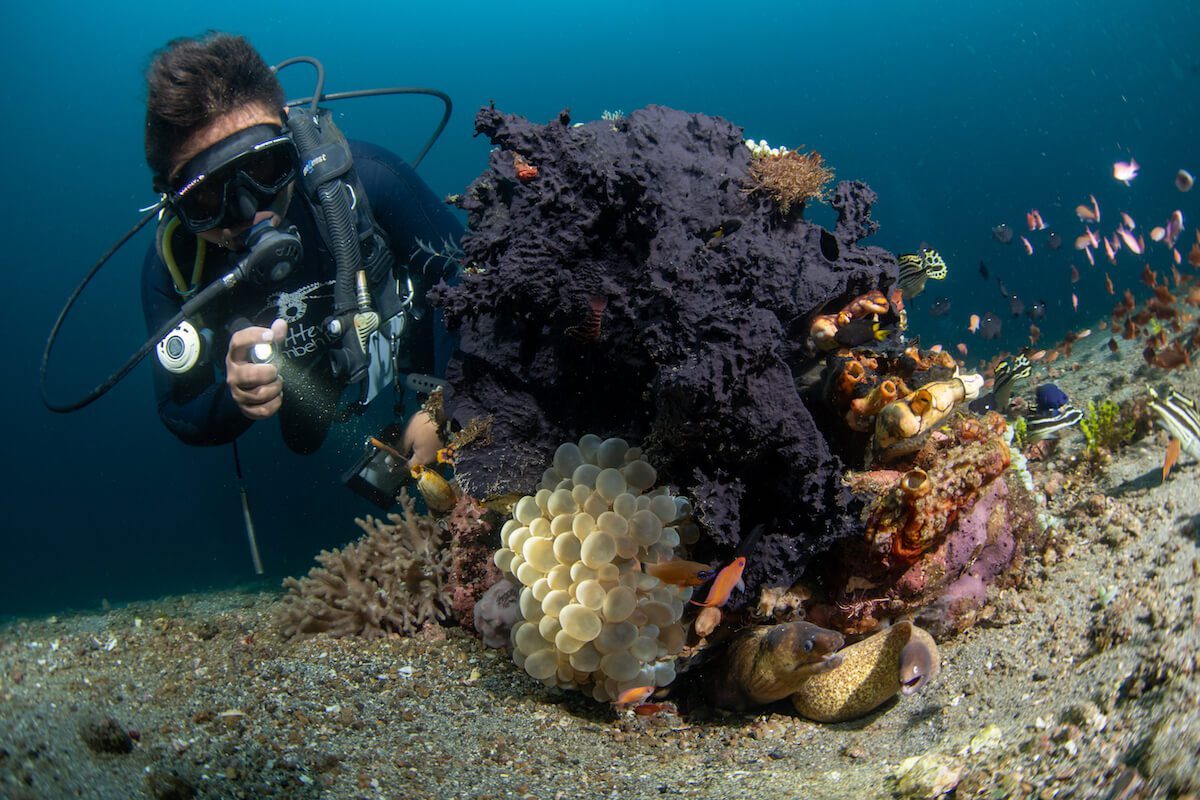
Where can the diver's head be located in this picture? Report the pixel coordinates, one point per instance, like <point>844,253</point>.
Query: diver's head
<point>214,138</point>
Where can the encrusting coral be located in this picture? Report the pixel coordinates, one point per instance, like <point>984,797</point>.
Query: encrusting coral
<point>391,581</point>
<point>937,535</point>
<point>591,617</point>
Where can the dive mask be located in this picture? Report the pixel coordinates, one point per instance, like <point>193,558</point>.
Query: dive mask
<point>226,184</point>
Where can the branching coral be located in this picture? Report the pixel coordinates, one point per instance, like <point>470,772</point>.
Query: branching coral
<point>790,178</point>
<point>391,581</point>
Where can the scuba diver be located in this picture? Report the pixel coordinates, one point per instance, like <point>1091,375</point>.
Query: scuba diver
<point>310,226</point>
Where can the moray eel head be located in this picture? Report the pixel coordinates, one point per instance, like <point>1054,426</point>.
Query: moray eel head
<point>919,664</point>
<point>807,647</point>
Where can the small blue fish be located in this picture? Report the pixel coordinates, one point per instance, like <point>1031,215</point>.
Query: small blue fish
<point>1050,398</point>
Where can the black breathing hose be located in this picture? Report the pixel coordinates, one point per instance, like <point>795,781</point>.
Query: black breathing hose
<point>99,391</point>
<point>335,207</point>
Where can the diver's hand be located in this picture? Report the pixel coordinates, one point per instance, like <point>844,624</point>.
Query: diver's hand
<point>421,436</point>
<point>256,388</point>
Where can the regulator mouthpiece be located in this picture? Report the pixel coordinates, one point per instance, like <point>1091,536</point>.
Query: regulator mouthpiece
<point>271,253</point>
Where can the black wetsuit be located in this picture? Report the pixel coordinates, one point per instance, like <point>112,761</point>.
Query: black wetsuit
<point>197,405</point>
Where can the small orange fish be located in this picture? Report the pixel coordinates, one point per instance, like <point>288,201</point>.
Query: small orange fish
<point>1095,207</point>
<point>1074,301</point>
<point>1038,356</point>
<point>937,348</point>
<point>1092,237</point>
<point>1125,171</point>
<point>1074,274</point>
<point>1108,283</point>
<point>646,709</point>
<point>727,579</point>
<point>1091,258</point>
<point>1083,334</point>
<point>1028,246</point>
<point>973,325</point>
<point>1110,252</point>
<point>1173,447</point>
<point>962,348</point>
<point>1128,220</point>
<point>1082,242</point>
<point>1157,234</point>
<point>681,573</point>
<point>634,696</point>
<point>1084,213</point>
<point>1033,219</point>
<point>1130,242</point>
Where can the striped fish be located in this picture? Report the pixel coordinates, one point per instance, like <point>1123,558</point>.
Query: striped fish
<point>1048,424</point>
<point>1007,374</point>
<point>1177,415</point>
<point>916,268</point>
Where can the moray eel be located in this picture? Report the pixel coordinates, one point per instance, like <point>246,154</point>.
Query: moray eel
<point>768,663</point>
<point>902,658</point>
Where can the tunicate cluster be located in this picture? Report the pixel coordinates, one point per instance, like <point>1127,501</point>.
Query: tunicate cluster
<point>591,618</point>
<point>761,149</point>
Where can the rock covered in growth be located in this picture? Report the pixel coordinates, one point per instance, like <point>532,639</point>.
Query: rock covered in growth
<point>590,617</point>
<point>632,286</point>
<point>392,580</point>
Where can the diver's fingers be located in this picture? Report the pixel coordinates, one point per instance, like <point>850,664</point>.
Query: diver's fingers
<point>261,401</point>
<point>241,342</point>
<point>263,410</point>
<point>258,393</point>
<point>250,376</point>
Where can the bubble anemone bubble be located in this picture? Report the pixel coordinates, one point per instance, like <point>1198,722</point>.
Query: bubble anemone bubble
<point>591,619</point>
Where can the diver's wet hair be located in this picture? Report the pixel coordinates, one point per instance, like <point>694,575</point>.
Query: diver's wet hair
<point>193,81</point>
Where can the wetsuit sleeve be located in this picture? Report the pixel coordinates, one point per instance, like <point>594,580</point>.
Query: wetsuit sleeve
<point>414,219</point>
<point>196,406</point>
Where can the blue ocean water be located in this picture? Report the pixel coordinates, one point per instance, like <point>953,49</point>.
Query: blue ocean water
<point>960,116</point>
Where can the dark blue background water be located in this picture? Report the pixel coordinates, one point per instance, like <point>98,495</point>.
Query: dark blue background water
<point>959,116</point>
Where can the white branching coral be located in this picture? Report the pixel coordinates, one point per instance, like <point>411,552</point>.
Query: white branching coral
<point>393,580</point>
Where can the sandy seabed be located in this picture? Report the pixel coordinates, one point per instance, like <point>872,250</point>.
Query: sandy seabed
<point>1080,683</point>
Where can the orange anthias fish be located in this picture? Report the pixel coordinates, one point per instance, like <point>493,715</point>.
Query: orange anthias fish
<point>1074,302</point>
<point>1173,447</point>
<point>1033,219</point>
<point>973,326</point>
<point>1125,172</point>
<point>681,573</point>
<point>727,579</point>
<point>1028,246</point>
<point>1130,242</point>
<point>1108,283</point>
<point>634,696</point>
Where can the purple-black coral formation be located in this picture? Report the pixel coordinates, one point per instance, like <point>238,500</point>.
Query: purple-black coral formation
<point>633,288</point>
